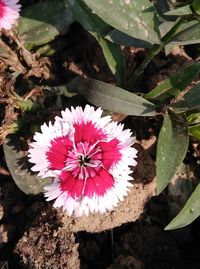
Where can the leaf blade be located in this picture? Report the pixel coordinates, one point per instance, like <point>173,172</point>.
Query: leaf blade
<point>115,99</point>
<point>181,11</point>
<point>171,149</point>
<point>175,84</point>
<point>114,57</point>
<point>98,28</point>
<point>19,167</point>
<point>195,131</point>
<point>189,213</point>
<point>135,18</point>
<point>120,38</point>
<point>189,33</point>
<point>40,23</point>
<point>189,102</point>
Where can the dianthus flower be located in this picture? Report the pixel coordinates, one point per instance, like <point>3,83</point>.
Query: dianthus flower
<point>88,156</point>
<point>9,13</point>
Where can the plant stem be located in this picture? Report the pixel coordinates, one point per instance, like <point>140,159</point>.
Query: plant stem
<point>155,49</point>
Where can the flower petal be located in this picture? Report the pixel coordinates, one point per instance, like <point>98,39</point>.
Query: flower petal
<point>110,153</point>
<point>57,152</point>
<point>87,131</point>
<point>9,13</point>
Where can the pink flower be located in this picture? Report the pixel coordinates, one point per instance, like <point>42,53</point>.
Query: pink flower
<point>9,13</point>
<point>88,156</point>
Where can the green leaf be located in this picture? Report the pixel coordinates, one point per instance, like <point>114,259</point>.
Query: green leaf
<point>69,90</point>
<point>42,22</point>
<point>121,38</point>
<point>115,99</point>
<point>26,105</point>
<point>135,18</point>
<point>19,167</point>
<point>189,213</point>
<point>188,33</point>
<point>195,131</point>
<point>90,21</point>
<point>114,57</point>
<point>52,47</point>
<point>192,98</point>
<point>190,101</point>
<point>193,118</point>
<point>171,149</point>
<point>196,6</point>
<point>175,84</point>
<point>181,11</point>
<point>98,28</point>
<point>166,26</point>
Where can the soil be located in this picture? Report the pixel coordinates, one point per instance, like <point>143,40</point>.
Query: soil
<point>33,235</point>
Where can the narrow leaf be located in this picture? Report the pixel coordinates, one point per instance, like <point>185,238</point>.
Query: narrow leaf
<point>175,84</point>
<point>189,213</point>
<point>190,101</point>
<point>181,11</point>
<point>193,118</point>
<point>69,90</point>
<point>114,57</point>
<point>171,149</point>
<point>90,21</point>
<point>121,38</point>
<point>115,99</point>
<point>135,18</point>
<point>188,33</point>
<point>195,131</point>
<point>192,98</point>
<point>196,6</point>
<point>42,22</point>
<point>98,28</point>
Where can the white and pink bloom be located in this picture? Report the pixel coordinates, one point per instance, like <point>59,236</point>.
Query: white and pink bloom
<point>88,156</point>
<point>9,13</point>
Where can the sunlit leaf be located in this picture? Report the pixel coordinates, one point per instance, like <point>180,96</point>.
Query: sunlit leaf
<point>175,84</point>
<point>181,11</point>
<point>40,23</point>
<point>189,212</point>
<point>195,131</point>
<point>188,33</point>
<point>194,118</point>
<point>171,149</point>
<point>115,99</point>
<point>166,26</point>
<point>135,18</point>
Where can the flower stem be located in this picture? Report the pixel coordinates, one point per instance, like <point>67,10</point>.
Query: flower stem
<point>155,49</point>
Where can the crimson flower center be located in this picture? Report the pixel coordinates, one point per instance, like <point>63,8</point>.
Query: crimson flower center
<point>84,160</point>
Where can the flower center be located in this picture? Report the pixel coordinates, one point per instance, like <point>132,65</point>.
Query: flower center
<point>84,160</point>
